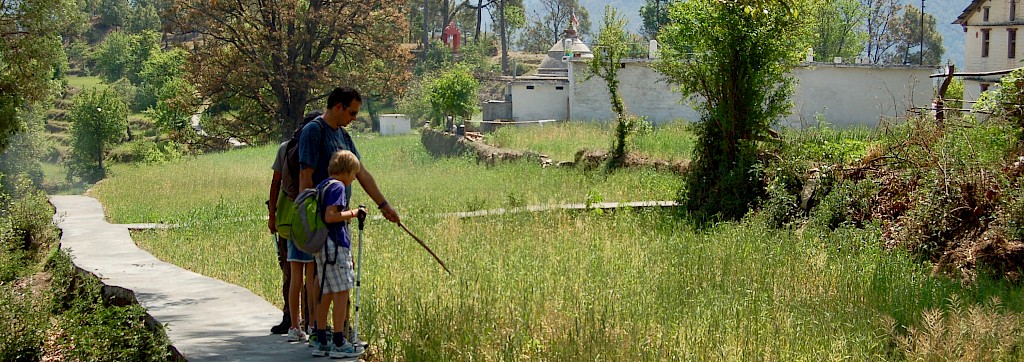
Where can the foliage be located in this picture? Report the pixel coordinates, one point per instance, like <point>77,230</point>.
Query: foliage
<point>284,58</point>
<point>879,26</point>
<point>547,24</point>
<point>453,93</point>
<point>157,70</point>
<point>609,50</point>
<point>175,105</point>
<point>1006,101</point>
<point>906,31</point>
<point>837,28</point>
<point>955,94</point>
<point>26,148</point>
<point>100,119</point>
<point>733,58</point>
<point>654,14</point>
<point>30,54</point>
<point>122,55</point>
<point>415,103</point>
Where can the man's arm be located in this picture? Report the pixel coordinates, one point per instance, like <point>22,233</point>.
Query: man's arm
<point>306,179</point>
<point>275,189</point>
<point>370,185</point>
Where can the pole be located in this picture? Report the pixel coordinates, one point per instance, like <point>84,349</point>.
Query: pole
<point>921,58</point>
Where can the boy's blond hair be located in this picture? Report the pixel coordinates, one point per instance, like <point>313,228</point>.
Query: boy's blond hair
<point>342,162</point>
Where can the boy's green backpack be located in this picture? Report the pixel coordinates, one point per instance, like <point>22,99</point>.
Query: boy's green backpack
<point>305,225</point>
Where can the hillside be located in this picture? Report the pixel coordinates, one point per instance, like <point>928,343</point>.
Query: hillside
<point>945,12</point>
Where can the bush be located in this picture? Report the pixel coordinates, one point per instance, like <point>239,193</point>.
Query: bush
<point>21,327</point>
<point>147,152</point>
<point>847,204</point>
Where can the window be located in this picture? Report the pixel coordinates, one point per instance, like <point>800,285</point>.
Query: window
<point>529,87</point>
<point>984,16</point>
<point>1013,10</point>
<point>985,37</point>
<point>559,87</point>
<point>984,87</point>
<point>1011,36</point>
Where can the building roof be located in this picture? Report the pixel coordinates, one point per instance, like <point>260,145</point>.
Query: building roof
<point>962,19</point>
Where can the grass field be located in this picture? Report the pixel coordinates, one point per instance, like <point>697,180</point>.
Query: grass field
<point>87,83</point>
<point>561,141</point>
<point>577,285</point>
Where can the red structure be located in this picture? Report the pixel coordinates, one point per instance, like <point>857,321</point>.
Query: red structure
<point>450,36</point>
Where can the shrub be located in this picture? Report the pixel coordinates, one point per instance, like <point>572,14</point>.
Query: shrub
<point>21,327</point>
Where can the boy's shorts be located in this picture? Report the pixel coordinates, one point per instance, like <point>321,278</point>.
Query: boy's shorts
<point>336,277</point>
<point>296,255</point>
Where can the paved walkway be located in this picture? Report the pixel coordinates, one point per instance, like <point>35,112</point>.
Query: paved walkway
<point>207,319</point>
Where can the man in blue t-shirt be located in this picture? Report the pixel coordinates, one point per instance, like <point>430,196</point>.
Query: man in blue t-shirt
<point>325,135</point>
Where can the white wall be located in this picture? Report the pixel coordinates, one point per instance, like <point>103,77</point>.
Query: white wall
<point>544,101</point>
<point>643,90</point>
<point>846,95</point>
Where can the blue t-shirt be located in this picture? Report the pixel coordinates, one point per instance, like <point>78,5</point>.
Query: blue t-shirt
<point>334,194</point>
<point>317,142</point>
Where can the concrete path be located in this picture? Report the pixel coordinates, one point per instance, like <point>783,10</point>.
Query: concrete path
<point>207,319</point>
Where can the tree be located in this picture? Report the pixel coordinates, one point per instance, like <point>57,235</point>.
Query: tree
<point>877,26</point>
<point>654,14</point>
<point>277,56</point>
<point>731,58</point>
<point>175,104</point>
<point>159,69</point>
<point>548,24</point>
<point>506,21</point>
<point>122,55</point>
<point>31,56</point>
<point>837,28</point>
<point>906,33</point>
<point>99,120</point>
<point>453,93</point>
<point>611,47</point>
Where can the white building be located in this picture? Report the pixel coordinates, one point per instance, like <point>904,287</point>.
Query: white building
<point>991,28</point>
<point>844,94</point>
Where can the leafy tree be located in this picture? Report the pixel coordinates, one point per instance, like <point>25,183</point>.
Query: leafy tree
<point>30,56</point>
<point>509,18</point>
<point>159,69</point>
<point>113,13</point>
<point>99,120</point>
<point>143,17</point>
<point>278,56</point>
<point>837,28</point>
<point>731,58</point>
<point>122,55</point>
<point>174,107</point>
<point>548,24</point>
<point>878,25</point>
<point>609,50</point>
<point>453,93</point>
<point>906,32</point>
<point>654,14</point>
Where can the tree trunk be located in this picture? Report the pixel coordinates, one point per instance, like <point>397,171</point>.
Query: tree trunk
<point>426,28</point>
<point>479,18</point>
<point>504,37</point>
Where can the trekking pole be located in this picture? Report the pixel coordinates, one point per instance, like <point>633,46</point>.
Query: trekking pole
<point>361,215</point>
<point>424,245</point>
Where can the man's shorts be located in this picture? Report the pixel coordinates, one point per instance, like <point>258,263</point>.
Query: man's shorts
<point>338,276</point>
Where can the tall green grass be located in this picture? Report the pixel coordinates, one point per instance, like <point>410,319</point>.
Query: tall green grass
<point>574,285</point>
<point>87,83</point>
<point>235,184</point>
<point>561,141</point>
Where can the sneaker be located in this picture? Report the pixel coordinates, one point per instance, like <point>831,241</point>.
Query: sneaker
<point>296,335</point>
<point>345,350</point>
<point>312,339</point>
<point>320,350</point>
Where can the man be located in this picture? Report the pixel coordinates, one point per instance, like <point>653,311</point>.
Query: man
<point>319,140</point>
<point>316,148</point>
